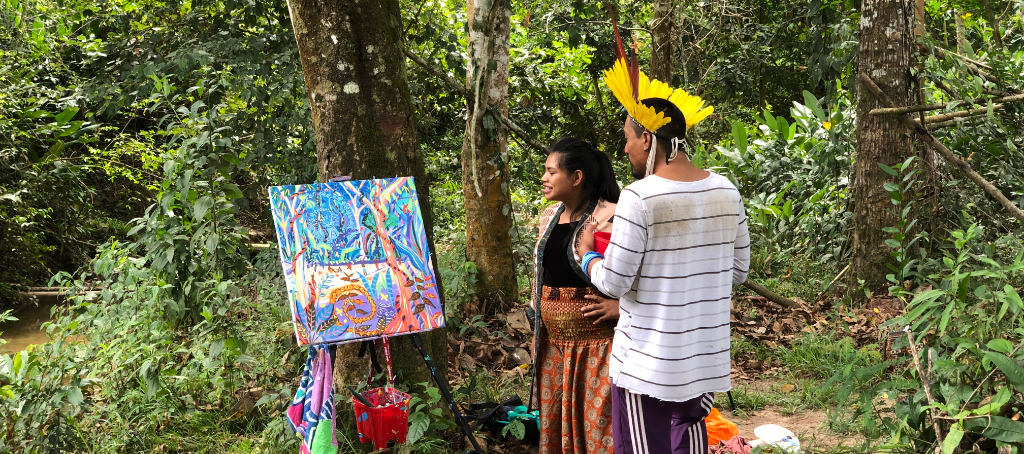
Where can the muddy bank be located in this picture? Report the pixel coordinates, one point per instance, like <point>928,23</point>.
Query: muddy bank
<point>27,330</point>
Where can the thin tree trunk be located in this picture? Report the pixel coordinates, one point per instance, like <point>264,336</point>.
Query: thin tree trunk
<point>485,158</point>
<point>993,21</point>
<point>661,40</point>
<point>886,50</point>
<point>919,26</point>
<point>961,35</point>
<point>353,62</point>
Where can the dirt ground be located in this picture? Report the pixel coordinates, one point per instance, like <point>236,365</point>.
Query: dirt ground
<point>810,427</point>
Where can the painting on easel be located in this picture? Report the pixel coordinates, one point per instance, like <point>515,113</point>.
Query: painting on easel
<point>355,259</point>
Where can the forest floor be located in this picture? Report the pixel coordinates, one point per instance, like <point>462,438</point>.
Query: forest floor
<point>782,360</point>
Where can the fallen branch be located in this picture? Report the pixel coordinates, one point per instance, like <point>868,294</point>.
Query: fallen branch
<point>948,155</point>
<point>836,279</point>
<point>908,109</point>
<point>772,296</point>
<point>455,85</point>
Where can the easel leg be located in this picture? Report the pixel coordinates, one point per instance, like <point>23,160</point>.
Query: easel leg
<point>445,392</point>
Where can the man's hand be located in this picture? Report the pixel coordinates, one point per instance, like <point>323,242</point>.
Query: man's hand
<point>603,308</point>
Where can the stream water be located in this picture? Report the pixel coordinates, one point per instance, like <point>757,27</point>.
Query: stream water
<point>27,330</point>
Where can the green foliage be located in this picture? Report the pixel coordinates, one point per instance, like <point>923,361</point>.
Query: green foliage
<point>101,91</point>
<point>118,375</point>
<point>191,110</point>
<point>427,421</point>
<point>906,235</point>
<point>795,177</point>
<point>966,320</point>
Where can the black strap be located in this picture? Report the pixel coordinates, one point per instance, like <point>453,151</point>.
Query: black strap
<point>368,346</point>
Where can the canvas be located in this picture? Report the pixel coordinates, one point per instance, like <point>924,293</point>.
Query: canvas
<point>355,259</point>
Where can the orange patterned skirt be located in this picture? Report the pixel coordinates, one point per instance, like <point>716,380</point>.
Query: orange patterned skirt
<point>575,392</point>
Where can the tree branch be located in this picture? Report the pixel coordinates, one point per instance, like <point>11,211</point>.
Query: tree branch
<point>461,88</point>
<point>927,386</point>
<point>944,52</point>
<point>974,67</point>
<point>948,155</point>
<point>925,107</point>
<point>947,123</point>
<point>963,113</point>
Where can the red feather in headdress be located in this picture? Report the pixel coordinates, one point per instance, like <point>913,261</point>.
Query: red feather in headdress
<point>620,53</point>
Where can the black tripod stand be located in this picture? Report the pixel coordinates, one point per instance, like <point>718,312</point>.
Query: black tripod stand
<point>446,393</point>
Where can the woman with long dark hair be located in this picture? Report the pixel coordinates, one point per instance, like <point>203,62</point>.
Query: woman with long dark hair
<point>573,323</point>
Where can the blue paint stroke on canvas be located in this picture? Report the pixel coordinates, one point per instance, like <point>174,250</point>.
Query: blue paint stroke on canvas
<point>355,259</point>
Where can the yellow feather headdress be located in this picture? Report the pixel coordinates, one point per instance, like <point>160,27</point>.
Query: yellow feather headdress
<point>630,86</point>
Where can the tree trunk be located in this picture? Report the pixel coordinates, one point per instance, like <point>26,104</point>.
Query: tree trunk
<point>354,66</point>
<point>661,40</point>
<point>485,159</point>
<point>885,54</point>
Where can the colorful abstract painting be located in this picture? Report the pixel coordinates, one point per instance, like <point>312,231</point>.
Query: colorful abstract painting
<point>355,259</point>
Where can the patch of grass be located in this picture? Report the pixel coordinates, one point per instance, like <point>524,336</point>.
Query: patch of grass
<point>747,399</point>
<point>821,355</point>
<point>743,347</point>
<point>792,275</point>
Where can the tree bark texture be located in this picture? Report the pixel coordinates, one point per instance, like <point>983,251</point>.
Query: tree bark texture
<point>661,40</point>
<point>485,158</point>
<point>353,62</point>
<point>886,50</point>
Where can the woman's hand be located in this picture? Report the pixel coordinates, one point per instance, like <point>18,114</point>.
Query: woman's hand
<point>603,308</point>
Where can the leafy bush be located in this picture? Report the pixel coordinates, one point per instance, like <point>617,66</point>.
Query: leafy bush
<point>962,375</point>
<point>794,177</point>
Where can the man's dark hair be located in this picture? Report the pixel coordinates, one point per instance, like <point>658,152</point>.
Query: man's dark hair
<point>598,175</point>
<point>675,128</point>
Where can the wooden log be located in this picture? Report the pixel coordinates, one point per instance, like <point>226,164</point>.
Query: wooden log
<point>772,296</point>
<point>948,155</point>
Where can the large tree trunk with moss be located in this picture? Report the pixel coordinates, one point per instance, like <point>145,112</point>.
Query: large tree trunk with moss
<point>661,40</point>
<point>352,60</point>
<point>485,159</point>
<point>885,54</point>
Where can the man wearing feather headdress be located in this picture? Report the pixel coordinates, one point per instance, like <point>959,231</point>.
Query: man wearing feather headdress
<point>678,245</point>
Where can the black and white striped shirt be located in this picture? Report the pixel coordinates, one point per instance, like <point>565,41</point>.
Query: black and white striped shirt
<point>676,250</point>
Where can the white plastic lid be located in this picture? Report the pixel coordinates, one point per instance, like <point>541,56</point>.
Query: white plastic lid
<point>774,434</point>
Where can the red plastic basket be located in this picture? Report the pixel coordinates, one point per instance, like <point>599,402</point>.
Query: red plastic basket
<point>601,241</point>
<point>387,420</point>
